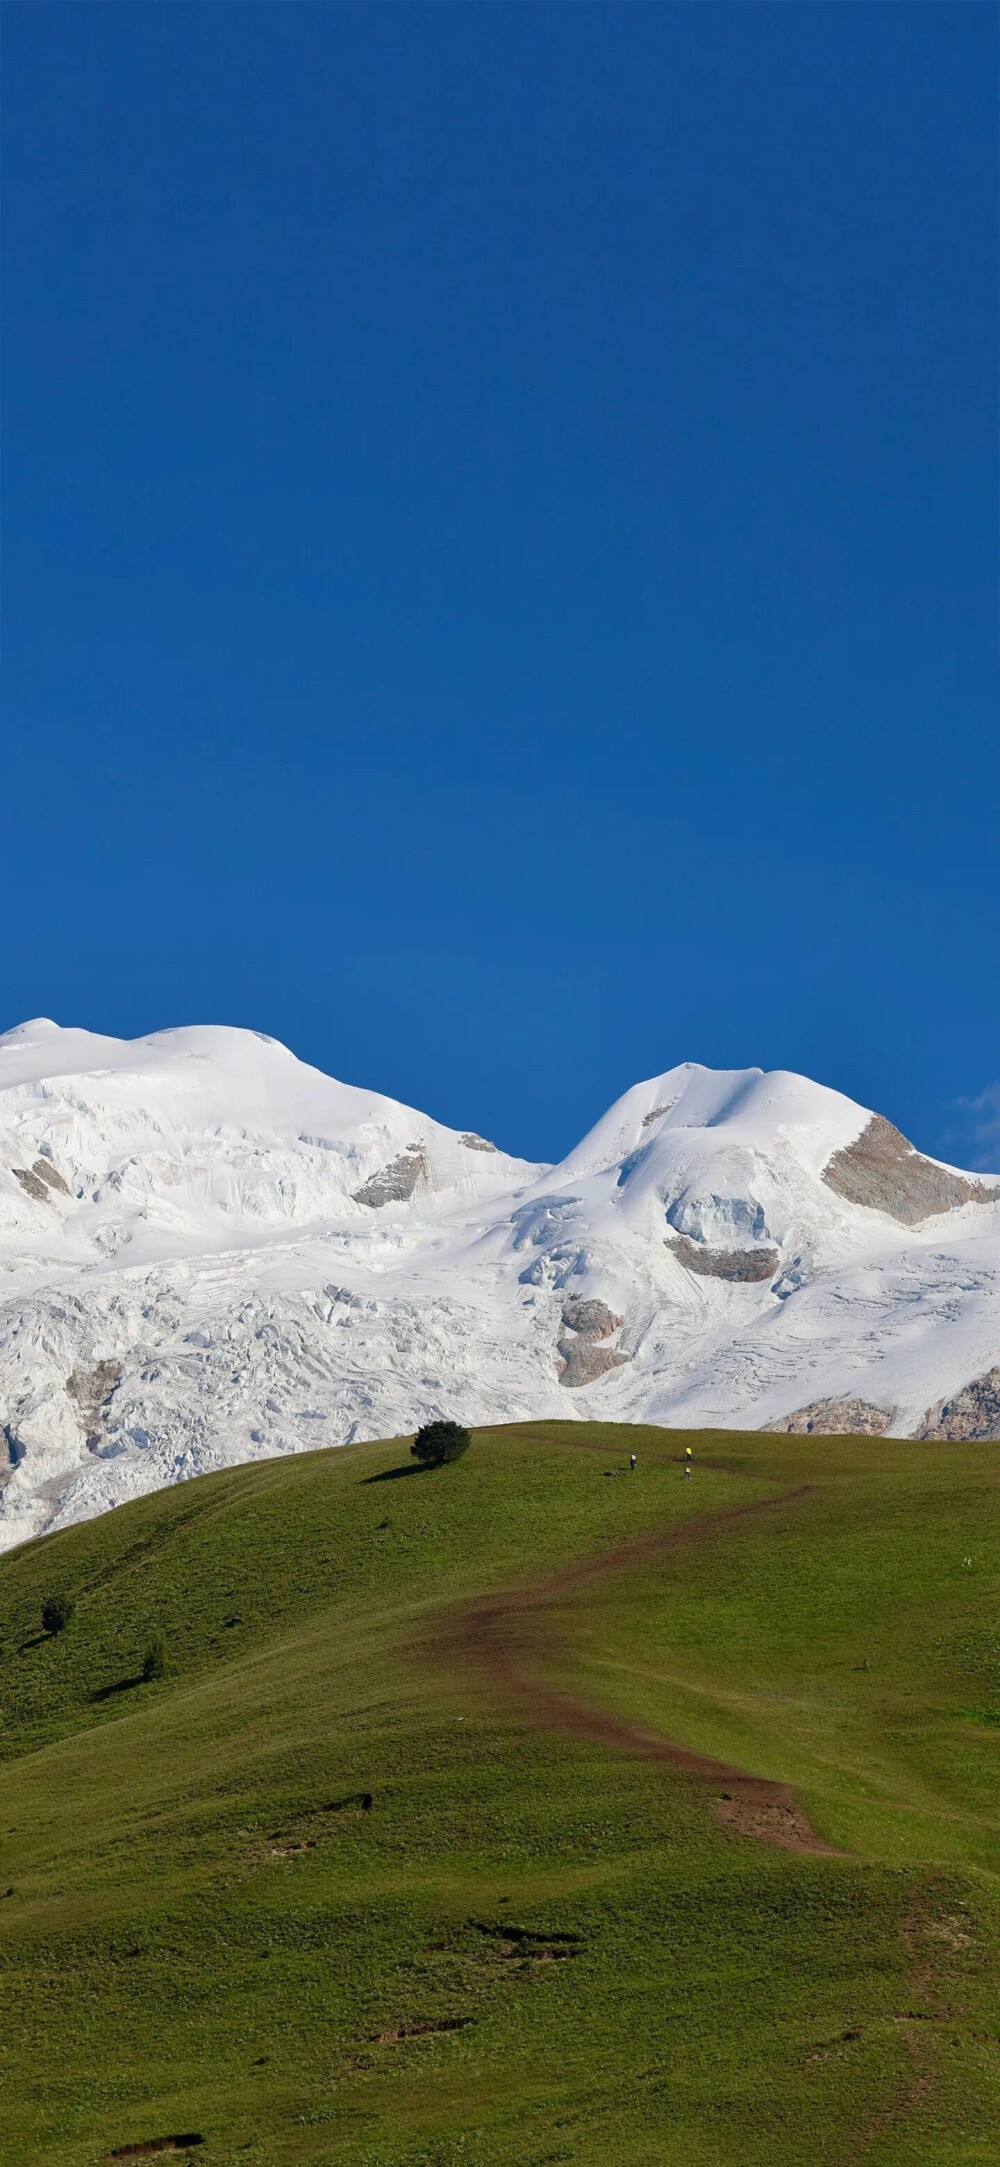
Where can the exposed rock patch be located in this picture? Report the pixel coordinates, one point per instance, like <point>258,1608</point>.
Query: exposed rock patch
<point>581,1362</point>
<point>30,1183</point>
<point>473,1142</point>
<point>834,1418</point>
<point>393,1184</point>
<point>736,1264</point>
<point>972,1416</point>
<point>594,1320</point>
<point>882,1171</point>
<point>45,1171</point>
<point>92,1389</point>
<point>581,1358</point>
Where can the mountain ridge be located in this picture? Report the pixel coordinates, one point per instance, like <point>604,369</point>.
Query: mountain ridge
<point>211,1252</point>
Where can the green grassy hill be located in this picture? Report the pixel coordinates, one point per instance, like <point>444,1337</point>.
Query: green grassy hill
<point>391,1869</point>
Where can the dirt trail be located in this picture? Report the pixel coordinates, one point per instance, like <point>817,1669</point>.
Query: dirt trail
<point>493,1636</point>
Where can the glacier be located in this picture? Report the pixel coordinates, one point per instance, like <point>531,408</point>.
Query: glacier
<point>212,1253</point>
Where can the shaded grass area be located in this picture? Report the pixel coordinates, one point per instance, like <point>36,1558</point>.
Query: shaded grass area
<point>319,1895</point>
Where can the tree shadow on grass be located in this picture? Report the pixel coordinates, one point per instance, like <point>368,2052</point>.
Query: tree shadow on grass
<point>394,1474</point>
<point>122,1685</point>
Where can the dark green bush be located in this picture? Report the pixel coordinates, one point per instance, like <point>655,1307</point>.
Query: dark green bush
<point>57,1612</point>
<point>439,1442</point>
<point>154,1662</point>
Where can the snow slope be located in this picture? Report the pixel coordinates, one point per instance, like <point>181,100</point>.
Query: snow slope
<point>210,1253</point>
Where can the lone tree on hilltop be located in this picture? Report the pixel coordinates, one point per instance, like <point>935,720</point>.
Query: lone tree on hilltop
<point>439,1442</point>
<point>57,1612</point>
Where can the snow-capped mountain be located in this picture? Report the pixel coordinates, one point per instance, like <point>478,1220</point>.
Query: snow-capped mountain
<point>210,1253</point>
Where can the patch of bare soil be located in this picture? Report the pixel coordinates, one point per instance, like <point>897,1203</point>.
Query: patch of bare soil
<point>492,1636</point>
<point>882,1171</point>
<point>746,1266</point>
<point>971,1417</point>
<point>834,1418</point>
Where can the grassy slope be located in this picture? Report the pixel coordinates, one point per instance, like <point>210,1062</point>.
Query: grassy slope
<point>170,1961</point>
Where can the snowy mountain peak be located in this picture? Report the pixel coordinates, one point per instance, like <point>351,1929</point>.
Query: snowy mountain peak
<point>746,1104</point>
<point>210,1251</point>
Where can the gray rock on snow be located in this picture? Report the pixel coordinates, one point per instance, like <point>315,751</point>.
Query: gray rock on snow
<point>882,1171</point>
<point>971,1416</point>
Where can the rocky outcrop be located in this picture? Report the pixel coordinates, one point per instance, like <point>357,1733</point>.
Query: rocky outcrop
<point>593,1320</point>
<point>45,1171</point>
<point>393,1184</point>
<point>736,1264</point>
<point>883,1172</point>
<point>30,1183</point>
<point>473,1142</point>
<point>834,1418</point>
<point>581,1357</point>
<point>971,1416</point>
<point>91,1391</point>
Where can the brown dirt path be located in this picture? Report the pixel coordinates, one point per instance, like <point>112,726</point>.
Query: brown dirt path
<point>491,1635</point>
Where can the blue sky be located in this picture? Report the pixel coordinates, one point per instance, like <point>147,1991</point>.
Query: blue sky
<point>501,564</point>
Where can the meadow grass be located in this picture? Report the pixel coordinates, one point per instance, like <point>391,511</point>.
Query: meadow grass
<point>321,1894</point>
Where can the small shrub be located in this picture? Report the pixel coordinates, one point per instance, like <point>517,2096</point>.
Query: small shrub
<point>57,1612</point>
<point>440,1442</point>
<point>154,1662</point>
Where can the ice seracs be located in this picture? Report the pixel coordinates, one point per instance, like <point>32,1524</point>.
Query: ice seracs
<point>210,1252</point>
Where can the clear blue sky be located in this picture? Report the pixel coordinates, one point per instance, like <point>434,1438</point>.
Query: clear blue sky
<point>501,554</point>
